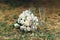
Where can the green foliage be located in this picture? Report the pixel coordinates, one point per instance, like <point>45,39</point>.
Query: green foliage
<point>14,39</point>
<point>3,24</point>
<point>50,36</point>
<point>11,26</point>
<point>15,16</point>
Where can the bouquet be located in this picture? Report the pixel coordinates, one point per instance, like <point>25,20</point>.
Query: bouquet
<point>27,21</point>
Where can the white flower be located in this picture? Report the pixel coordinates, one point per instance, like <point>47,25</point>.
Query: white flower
<point>34,27</point>
<point>21,20</point>
<point>28,18</point>
<point>36,19</point>
<point>27,22</point>
<point>37,23</point>
<point>28,29</point>
<point>16,25</point>
<point>22,15</point>
<point>22,27</point>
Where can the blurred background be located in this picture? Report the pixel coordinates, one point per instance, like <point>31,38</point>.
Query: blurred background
<point>46,10</point>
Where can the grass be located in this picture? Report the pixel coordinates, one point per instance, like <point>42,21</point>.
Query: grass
<point>58,20</point>
<point>6,17</point>
<point>14,39</point>
<point>15,16</point>
<point>3,24</point>
<point>6,28</point>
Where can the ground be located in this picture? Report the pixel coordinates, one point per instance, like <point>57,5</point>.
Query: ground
<point>9,15</point>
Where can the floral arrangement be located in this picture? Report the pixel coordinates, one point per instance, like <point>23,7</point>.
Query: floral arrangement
<point>27,21</point>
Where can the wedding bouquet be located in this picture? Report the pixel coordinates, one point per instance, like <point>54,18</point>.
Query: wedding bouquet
<point>27,21</point>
